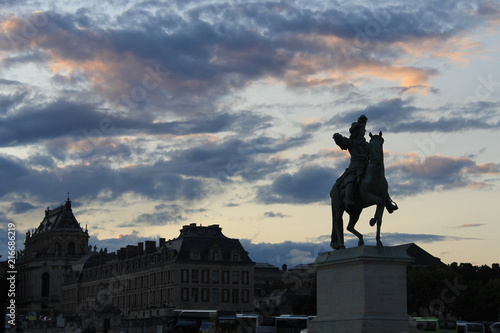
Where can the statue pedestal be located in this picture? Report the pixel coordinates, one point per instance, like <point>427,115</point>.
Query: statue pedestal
<point>362,289</point>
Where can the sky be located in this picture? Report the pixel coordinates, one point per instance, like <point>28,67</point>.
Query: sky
<point>154,115</point>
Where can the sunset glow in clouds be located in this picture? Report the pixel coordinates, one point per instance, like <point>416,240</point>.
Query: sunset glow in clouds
<point>155,115</point>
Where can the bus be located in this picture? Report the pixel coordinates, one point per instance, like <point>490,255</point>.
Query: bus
<point>466,327</point>
<point>204,321</point>
<point>254,323</point>
<point>291,323</point>
<point>432,324</point>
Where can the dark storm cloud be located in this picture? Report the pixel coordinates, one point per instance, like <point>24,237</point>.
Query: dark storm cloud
<point>83,121</point>
<point>61,118</point>
<point>9,82</point>
<point>408,177</point>
<point>305,186</point>
<point>91,181</point>
<point>413,176</point>
<point>20,207</point>
<point>209,50</point>
<point>34,57</point>
<point>186,60</point>
<point>7,102</point>
<point>161,218</point>
<point>251,159</point>
<point>407,118</point>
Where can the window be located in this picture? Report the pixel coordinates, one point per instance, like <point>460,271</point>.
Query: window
<point>225,277</point>
<point>194,295</point>
<point>184,294</point>
<point>194,276</point>
<point>215,276</point>
<point>245,296</point>
<point>204,294</point>
<point>216,254</point>
<point>244,277</point>
<point>185,276</point>
<point>71,248</point>
<point>225,295</point>
<point>235,256</point>
<point>215,295</point>
<point>205,277</point>
<point>57,248</point>
<point>194,254</point>
<point>235,277</point>
<point>234,296</point>
<point>45,284</point>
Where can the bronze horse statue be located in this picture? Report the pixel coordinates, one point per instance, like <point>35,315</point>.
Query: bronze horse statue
<point>372,190</point>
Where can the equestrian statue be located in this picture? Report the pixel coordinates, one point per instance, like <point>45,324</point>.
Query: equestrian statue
<point>363,183</point>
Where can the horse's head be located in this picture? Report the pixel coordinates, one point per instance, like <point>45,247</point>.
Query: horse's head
<point>377,137</point>
<point>376,143</point>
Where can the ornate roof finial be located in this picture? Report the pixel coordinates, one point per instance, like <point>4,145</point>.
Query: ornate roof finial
<point>68,201</point>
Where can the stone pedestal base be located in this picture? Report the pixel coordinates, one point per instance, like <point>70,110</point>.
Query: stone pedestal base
<point>362,289</point>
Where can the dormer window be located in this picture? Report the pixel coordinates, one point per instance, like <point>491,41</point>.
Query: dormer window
<point>235,256</point>
<point>195,254</point>
<point>216,254</point>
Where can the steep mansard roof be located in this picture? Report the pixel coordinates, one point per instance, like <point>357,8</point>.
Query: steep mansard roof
<point>59,218</point>
<point>206,240</point>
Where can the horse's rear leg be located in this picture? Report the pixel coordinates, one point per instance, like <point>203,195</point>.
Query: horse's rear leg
<point>337,239</point>
<point>379,224</point>
<point>353,219</point>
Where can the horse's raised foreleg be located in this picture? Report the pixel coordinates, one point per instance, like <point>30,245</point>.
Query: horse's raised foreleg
<point>353,219</point>
<point>372,199</point>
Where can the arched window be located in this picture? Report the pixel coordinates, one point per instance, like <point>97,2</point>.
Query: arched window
<point>45,284</point>
<point>57,248</point>
<point>71,248</point>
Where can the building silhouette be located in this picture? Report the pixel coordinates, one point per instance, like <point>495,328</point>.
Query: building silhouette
<point>49,252</point>
<point>142,284</point>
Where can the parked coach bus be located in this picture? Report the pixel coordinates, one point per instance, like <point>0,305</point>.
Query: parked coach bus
<point>291,323</point>
<point>431,324</point>
<point>254,323</point>
<point>204,321</point>
<point>466,327</point>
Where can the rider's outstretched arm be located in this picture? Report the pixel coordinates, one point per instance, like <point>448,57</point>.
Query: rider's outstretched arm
<point>343,142</point>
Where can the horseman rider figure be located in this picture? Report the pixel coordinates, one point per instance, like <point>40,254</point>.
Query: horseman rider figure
<point>359,149</point>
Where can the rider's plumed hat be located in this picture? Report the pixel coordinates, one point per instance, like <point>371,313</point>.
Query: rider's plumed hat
<point>358,125</point>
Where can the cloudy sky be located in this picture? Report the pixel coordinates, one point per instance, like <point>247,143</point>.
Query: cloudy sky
<point>158,114</point>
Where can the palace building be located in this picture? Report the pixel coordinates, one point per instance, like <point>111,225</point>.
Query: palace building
<point>49,253</point>
<point>200,269</point>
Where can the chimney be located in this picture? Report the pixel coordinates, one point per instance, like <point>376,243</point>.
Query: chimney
<point>140,248</point>
<point>131,251</point>
<point>284,267</point>
<point>150,247</point>
<point>122,253</point>
<point>162,242</point>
